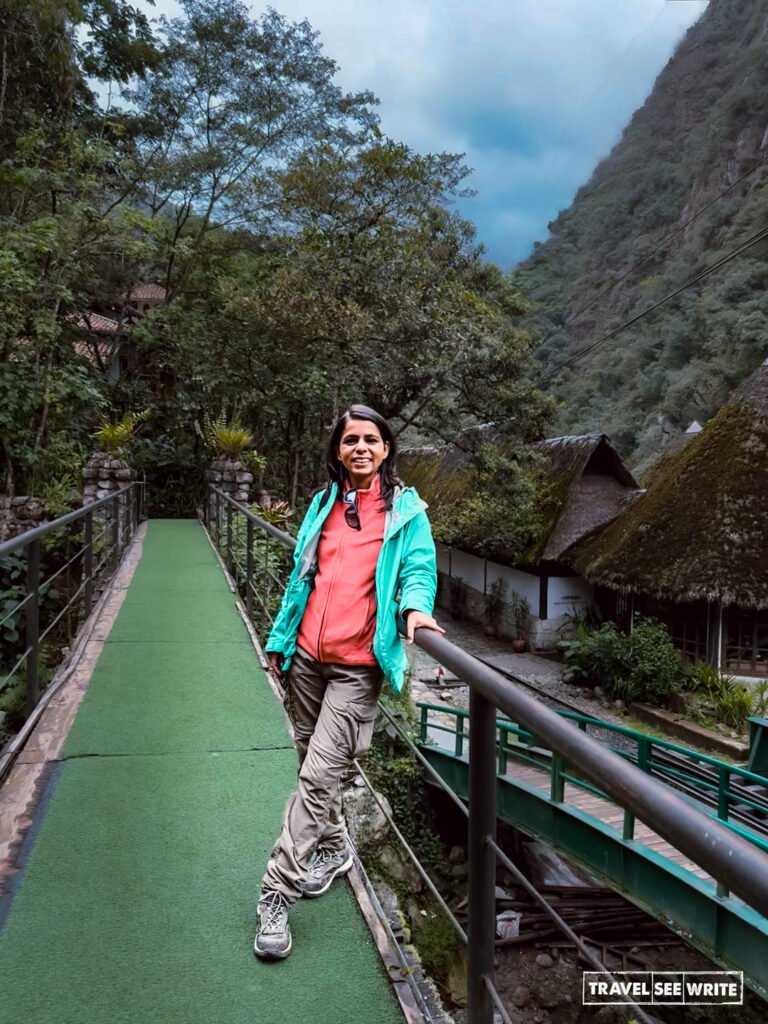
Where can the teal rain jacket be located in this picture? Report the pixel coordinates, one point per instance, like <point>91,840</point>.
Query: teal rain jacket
<point>406,579</point>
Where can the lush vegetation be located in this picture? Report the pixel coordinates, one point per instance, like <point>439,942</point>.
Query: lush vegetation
<point>644,665</point>
<point>307,259</point>
<point>643,226</point>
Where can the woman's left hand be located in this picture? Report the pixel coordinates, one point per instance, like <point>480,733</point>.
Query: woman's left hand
<point>420,620</point>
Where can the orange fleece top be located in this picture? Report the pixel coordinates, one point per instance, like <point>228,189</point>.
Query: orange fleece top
<point>340,618</point>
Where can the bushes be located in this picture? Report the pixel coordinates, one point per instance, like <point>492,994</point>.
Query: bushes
<point>643,666</point>
<point>732,702</point>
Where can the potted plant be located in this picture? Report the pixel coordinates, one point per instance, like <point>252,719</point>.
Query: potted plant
<point>494,606</point>
<point>519,611</point>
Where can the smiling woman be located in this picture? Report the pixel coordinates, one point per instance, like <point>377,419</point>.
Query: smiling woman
<point>364,573</point>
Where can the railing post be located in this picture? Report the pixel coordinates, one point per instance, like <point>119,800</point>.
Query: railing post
<point>116,529</point>
<point>218,520</point>
<point>88,564</point>
<point>33,625</point>
<point>723,785</point>
<point>423,724</point>
<point>557,782</point>
<point>482,861</point>
<point>249,568</point>
<point>458,745</point>
<point>503,742</point>
<point>228,559</point>
<point>644,752</point>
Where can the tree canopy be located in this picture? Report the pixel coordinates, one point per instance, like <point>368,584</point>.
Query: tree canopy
<point>307,260</point>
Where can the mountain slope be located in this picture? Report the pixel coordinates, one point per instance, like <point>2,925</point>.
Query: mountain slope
<point>704,126</point>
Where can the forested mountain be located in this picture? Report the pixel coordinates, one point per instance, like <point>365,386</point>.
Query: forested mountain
<point>686,185</point>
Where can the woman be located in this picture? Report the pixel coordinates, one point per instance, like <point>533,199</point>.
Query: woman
<point>364,572</point>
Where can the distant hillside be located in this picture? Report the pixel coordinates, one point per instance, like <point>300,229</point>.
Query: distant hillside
<point>704,125</point>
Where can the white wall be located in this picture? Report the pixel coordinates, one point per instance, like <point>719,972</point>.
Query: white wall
<point>568,595</point>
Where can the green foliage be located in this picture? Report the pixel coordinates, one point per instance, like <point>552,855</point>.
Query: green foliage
<point>494,601</point>
<point>115,438</point>
<point>734,705</point>
<point>760,699</point>
<point>226,437</point>
<point>308,260</point>
<point>519,609</point>
<point>500,512</point>
<point>643,666</point>
<point>656,667</point>
<point>619,248</point>
<point>437,942</point>
<point>278,513</point>
<point>597,655</point>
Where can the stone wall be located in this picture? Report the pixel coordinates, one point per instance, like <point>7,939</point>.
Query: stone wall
<point>103,475</point>
<point>231,477</point>
<point>17,515</point>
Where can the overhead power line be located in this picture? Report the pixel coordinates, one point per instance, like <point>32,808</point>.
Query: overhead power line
<point>753,240</point>
<point>660,245</point>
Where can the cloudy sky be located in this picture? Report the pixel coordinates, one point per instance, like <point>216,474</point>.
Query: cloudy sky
<point>534,92</point>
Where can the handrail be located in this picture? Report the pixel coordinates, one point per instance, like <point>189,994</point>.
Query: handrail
<point>723,792</point>
<point>38,532</point>
<point>121,511</point>
<point>730,859</point>
<point>727,857</point>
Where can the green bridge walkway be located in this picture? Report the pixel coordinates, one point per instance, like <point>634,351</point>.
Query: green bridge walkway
<point>137,895</point>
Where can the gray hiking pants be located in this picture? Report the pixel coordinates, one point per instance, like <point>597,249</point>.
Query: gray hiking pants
<point>332,709</point>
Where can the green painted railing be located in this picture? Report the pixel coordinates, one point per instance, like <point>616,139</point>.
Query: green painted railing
<point>529,749</point>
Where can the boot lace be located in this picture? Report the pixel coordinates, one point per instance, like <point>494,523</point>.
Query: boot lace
<point>276,907</point>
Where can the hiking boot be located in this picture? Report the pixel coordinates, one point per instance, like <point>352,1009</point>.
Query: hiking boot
<point>327,865</point>
<point>273,939</point>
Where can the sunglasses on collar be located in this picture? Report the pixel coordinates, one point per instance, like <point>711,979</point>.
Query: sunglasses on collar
<point>351,513</point>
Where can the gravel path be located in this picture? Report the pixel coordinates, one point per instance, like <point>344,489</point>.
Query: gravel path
<point>432,684</point>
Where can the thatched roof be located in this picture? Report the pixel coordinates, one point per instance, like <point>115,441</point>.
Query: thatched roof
<point>588,486</point>
<point>700,531</point>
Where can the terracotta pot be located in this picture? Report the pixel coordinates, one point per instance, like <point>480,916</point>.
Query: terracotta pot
<point>518,646</point>
<point>490,630</point>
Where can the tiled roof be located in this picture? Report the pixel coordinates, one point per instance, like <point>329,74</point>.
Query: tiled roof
<point>96,322</point>
<point>147,291</point>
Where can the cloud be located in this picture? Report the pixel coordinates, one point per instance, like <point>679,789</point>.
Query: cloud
<point>533,93</point>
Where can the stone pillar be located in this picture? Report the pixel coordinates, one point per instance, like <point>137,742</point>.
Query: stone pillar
<point>17,515</point>
<point>231,477</point>
<point>104,474</point>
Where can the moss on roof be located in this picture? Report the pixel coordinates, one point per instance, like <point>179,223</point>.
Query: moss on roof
<point>700,531</point>
<point>563,511</point>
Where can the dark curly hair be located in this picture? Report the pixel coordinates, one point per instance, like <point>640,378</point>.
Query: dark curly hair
<point>387,471</point>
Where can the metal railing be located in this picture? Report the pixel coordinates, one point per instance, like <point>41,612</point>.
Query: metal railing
<point>733,861</point>
<point>64,562</point>
<point>527,749</point>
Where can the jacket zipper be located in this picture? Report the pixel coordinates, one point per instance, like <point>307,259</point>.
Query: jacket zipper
<point>321,631</point>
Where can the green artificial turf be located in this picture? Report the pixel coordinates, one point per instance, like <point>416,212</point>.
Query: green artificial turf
<point>137,899</point>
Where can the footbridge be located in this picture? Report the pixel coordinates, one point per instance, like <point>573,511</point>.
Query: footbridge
<point>140,802</point>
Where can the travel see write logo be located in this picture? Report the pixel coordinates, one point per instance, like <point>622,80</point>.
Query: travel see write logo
<point>663,987</point>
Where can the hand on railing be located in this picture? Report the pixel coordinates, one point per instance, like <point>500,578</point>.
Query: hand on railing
<point>420,620</point>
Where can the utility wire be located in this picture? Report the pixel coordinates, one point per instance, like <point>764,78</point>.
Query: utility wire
<point>667,238</point>
<point>758,237</point>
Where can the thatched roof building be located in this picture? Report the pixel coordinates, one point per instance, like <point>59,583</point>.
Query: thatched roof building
<point>699,532</point>
<point>590,487</point>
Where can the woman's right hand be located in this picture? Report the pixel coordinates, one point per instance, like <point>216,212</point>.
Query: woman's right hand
<point>275,660</point>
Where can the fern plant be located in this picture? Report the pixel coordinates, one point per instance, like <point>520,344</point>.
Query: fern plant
<point>114,438</point>
<point>224,437</point>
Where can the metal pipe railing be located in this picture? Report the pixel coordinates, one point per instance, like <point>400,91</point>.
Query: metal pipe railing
<point>731,860</point>
<point>120,512</point>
